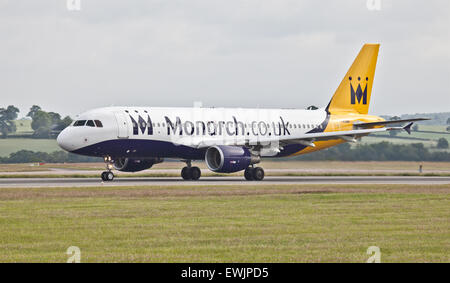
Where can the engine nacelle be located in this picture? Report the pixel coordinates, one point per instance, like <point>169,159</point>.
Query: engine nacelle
<point>229,159</point>
<point>134,165</point>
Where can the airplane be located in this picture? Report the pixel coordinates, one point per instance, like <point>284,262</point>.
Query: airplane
<point>132,139</point>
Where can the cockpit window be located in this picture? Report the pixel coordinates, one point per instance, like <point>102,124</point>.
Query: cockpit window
<point>98,123</point>
<point>88,123</point>
<point>79,123</point>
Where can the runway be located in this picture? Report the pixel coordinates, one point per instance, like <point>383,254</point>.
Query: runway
<point>216,181</point>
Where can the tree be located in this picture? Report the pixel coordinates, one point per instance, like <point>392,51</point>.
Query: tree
<point>62,124</point>
<point>55,117</point>
<point>65,122</point>
<point>448,121</point>
<point>33,110</point>
<point>41,119</point>
<point>11,112</point>
<point>47,124</point>
<point>394,133</point>
<point>42,132</point>
<point>7,117</point>
<point>442,143</point>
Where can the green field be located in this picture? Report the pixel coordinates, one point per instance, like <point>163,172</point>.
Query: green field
<point>10,145</point>
<point>301,223</point>
<point>404,138</point>
<point>23,127</point>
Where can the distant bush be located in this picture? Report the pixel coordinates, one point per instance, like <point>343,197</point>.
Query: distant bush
<point>26,156</point>
<point>442,143</point>
<point>383,151</point>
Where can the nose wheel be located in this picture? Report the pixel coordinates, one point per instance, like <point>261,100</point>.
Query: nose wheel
<point>190,172</point>
<point>108,175</point>
<point>254,174</point>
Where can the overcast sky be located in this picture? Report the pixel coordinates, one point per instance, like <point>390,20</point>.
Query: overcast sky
<point>246,53</point>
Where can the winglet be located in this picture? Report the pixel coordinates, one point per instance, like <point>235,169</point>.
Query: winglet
<point>407,128</point>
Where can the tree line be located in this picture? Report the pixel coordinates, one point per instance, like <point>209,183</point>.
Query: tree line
<point>383,151</point>
<point>28,156</point>
<point>44,124</point>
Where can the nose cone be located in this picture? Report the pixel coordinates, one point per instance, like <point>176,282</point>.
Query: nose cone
<point>65,141</point>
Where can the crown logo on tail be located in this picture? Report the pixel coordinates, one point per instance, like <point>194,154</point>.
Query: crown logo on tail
<point>358,95</point>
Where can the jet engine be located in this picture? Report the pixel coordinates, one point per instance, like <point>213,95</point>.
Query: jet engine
<point>134,165</point>
<point>229,159</point>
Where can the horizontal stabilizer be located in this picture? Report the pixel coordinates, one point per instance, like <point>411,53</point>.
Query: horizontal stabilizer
<point>407,128</point>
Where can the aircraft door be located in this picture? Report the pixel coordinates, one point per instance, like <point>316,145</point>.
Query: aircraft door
<point>122,125</point>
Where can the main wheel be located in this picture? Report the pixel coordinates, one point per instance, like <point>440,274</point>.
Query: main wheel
<point>195,173</point>
<point>258,174</point>
<point>248,174</point>
<point>186,173</point>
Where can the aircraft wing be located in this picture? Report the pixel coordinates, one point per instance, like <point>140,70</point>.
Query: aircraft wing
<point>306,139</point>
<point>371,124</point>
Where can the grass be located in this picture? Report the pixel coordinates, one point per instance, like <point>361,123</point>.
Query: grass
<point>301,223</point>
<point>288,164</point>
<point>430,132</point>
<point>211,174</point>
<point>274,168</point>
<point>10,145</point>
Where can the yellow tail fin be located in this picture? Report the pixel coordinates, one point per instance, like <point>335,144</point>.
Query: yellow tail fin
<point>353,94</point>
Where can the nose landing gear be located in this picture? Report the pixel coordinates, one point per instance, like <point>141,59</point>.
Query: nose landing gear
<point>108,175</point>
<point>254,174</point>
<point>190,173</point>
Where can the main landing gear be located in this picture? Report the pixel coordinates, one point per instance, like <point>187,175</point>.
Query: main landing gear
<point>190,173</point>
<point>108,175</point>
<point>254,174</point>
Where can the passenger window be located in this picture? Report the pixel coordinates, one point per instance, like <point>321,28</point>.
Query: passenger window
<point>90,123</point>
<point>79,123</point>
<point>98,124</point>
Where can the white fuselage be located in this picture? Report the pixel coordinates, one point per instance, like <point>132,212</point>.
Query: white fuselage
<point>178,125</point>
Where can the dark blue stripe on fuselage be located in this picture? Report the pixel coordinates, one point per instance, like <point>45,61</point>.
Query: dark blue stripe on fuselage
<point>141,148</point>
